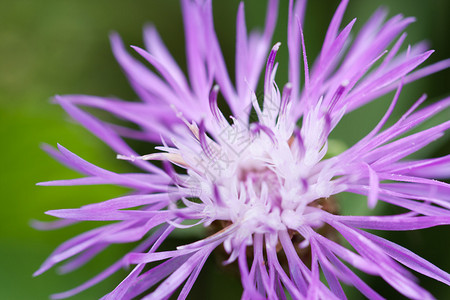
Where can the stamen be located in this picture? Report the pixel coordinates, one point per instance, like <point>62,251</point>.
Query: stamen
<point>270,66</point>
<point>338,95</point>
<point>301,147</point>
<point>326,125</point>
<point>203,142</point>
<point>286,98</point>
<point>214,107</point>
<point>192,127</point>
<point>217,196</point>
<point>173,157</point>
<point>171,172</point>
<point>257,127</point>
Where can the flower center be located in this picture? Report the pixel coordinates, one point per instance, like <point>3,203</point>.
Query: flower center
<point>261,185</point>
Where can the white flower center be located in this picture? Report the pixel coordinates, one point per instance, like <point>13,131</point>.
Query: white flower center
<point>264,187</point>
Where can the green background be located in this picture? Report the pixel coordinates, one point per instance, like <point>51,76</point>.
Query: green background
<point>53,47</point>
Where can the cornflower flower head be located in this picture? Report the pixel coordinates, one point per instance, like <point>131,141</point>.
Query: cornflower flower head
<point>260,178</point>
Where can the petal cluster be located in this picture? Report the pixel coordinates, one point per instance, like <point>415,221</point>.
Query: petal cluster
<point>261,178</point>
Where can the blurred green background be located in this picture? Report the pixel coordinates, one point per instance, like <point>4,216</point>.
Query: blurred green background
<point>53,47</point>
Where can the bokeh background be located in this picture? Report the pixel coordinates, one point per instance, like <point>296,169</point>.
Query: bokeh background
<point>53,47</point>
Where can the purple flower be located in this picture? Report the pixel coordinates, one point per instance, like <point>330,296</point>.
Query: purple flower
<point>261,179</point>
